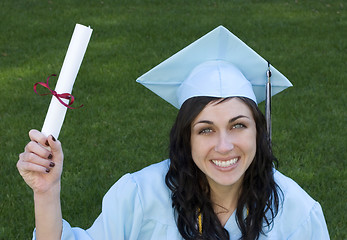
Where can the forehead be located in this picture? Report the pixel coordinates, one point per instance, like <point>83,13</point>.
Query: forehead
<point>228,108</point>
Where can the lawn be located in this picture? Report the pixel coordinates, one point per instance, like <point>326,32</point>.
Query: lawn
<point>123,127</point>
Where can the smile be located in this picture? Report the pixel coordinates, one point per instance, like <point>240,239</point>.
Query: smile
<point>225,163</point>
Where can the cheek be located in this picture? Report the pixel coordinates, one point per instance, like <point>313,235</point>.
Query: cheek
<point>199,159</point>
<point>195,150</point>
<point>250,146</point>
<point>198,151</point>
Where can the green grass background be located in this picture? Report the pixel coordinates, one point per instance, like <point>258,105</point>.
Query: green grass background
<point>123,127</point>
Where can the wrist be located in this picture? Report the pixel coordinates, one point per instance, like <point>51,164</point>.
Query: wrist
<point>51,193</point>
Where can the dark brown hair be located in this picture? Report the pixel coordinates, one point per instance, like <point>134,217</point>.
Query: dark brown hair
<point>191,191</point>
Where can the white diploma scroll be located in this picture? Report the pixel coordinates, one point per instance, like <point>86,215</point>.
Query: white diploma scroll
<point>72,62</point>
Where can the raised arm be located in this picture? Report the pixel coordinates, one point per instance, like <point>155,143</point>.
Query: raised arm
<point>41,166</point>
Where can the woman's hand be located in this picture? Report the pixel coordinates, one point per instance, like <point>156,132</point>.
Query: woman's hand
<point>41,163</point>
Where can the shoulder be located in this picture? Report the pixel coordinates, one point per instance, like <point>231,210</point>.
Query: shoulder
<point>146,180</point>
<point>298,212</point>
<point>138,206</point>
<point>153,192</point>
<point>296,203</point>
<point>293,193</point>
<point>155,171</point>
<point>148,189</point>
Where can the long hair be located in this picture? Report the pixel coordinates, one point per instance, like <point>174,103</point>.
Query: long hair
<point>191,191</point>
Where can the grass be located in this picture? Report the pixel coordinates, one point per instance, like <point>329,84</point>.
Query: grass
<point>123,127</point>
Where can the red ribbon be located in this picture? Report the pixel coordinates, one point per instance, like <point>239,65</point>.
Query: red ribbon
<point>57,95</point>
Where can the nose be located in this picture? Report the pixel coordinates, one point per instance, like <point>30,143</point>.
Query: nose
<point>224,144</point>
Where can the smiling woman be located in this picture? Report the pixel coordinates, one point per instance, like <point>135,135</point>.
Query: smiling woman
<point>220,181</point>
<point>232,162</point>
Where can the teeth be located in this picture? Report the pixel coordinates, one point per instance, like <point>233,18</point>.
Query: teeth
<point>225,163</point>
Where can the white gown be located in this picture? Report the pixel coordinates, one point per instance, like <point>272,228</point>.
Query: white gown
<point>138,206</point>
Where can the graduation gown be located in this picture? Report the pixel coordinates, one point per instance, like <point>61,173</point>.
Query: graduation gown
<point>138,206</point>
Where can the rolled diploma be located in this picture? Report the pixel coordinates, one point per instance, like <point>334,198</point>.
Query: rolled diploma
<point>72,62</point>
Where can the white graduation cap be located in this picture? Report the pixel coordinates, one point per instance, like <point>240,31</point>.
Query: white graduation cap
<point>218,64</point>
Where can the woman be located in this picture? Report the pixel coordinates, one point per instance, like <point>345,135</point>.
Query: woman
<point>219,182</point>
<point>231,160</point>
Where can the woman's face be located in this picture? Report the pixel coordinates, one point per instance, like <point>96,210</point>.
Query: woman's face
<point>223,141</point>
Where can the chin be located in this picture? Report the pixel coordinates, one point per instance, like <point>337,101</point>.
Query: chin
<point>227,181</point>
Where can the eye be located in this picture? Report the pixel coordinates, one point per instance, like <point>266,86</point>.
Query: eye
<point>238,125</point>
<point>205,131</point>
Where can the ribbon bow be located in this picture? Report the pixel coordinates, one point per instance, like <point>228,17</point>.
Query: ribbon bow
<point>57,95</point>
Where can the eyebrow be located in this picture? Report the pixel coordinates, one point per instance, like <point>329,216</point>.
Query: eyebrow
<point>230,121</point>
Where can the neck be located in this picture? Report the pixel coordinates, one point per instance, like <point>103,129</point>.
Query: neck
<point>225,199</point>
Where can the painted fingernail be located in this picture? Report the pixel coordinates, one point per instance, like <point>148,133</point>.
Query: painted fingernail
<point>53,138</point>
<point>52,164</point>
<point>50,156</point>
<point>47,144</point>
<point>47,170</point>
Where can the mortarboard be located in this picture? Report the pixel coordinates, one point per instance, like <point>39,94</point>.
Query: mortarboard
<point>218,64</point>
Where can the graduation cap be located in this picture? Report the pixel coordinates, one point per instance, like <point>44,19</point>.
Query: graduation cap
<point>220,65</point>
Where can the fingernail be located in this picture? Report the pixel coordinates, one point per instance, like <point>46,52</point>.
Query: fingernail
<point>50,156</point>
<point>53,138</point>
<point>52,164</point>
<point>47,144</point>
<point>47,170</point>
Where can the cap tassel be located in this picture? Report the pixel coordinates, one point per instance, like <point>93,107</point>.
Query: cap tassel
<point>268,102</point>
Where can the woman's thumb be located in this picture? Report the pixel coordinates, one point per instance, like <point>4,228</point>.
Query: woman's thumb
<point>56,149</point>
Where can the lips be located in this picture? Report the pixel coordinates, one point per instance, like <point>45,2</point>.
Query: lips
<point>225,164</point>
